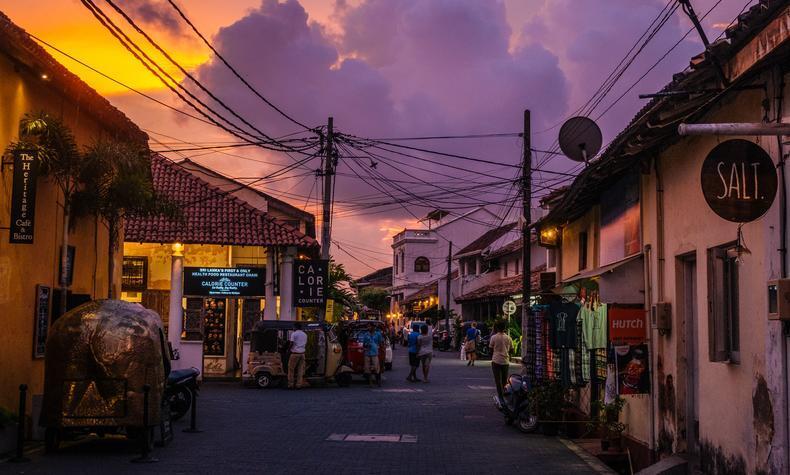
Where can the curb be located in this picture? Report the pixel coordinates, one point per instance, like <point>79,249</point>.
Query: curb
<point>590,460</point>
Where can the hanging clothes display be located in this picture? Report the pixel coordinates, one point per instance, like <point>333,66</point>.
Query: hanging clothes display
<point>594,325</point>
<point>563,324</point>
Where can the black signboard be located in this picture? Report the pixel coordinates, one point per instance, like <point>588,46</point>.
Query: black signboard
<point>310,283</point>
<point>41,324</point>
<point>739,180</point>
<point>224,281</point>
<point>23,196</point>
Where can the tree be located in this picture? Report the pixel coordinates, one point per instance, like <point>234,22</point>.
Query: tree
<point>60,160</point>
<point>375,299</point>
<point>116,181</point>
<point>340,286</point>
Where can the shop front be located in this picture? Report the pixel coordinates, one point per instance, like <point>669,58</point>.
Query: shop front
<point>211,272</point>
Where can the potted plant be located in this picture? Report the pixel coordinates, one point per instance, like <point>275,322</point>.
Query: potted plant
<point>7,430</point>
<point>547,400</point>
<point>608,421</point>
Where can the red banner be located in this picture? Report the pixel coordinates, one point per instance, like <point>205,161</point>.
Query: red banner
<point>627,326</point>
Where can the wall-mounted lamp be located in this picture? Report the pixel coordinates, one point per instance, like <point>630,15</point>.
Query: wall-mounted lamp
<point>549,237</point>
<point>178,249</point>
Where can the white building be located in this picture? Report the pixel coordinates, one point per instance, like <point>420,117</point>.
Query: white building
<point>419,256</point>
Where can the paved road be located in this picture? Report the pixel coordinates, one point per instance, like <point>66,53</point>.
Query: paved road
<point>457,431</point>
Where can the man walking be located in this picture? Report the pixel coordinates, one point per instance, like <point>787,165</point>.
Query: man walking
<point>414,362</point>
<point>470,343</point>
<point>298,341</point>
<point>500,345</point>
<point>425,351</point>
<point>371,344</point>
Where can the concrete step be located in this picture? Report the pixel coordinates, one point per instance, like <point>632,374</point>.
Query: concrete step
<point>674,465</point>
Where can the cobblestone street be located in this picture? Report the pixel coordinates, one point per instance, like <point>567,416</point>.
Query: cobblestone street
<point>456,427</point>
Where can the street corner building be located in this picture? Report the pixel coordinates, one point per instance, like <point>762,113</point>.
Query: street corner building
<point>224,262</point>
<point>681,242</point>
<point>32,82</point>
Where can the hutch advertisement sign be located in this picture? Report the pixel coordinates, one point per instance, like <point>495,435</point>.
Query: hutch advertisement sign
<point>23,196</point>
<point>627,326</point>
<point>739,180</point>
<point>224,281</point>
<point>310,283</point>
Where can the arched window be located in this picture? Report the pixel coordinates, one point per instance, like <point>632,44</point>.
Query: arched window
<point>422,264</point>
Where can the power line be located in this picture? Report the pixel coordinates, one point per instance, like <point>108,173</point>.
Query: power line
<point>231,68</point>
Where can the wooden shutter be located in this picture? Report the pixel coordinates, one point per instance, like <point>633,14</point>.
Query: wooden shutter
<point>717,302</point>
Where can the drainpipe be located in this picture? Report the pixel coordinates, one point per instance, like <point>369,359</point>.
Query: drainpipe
<point>783,252</point>
<point>659,284</point>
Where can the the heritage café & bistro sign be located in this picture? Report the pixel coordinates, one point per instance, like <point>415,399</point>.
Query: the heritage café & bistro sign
<point>739,180</point>
<point>23,196</point>
<point>225,281</point>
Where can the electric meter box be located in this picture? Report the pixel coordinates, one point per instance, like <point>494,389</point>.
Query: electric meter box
<point>779,299</point>
<point>661,316</point>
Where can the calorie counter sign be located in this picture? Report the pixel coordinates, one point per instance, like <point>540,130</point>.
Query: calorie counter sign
<point>310,283</point>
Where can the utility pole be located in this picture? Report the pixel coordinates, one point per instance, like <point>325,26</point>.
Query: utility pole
<point>328,172</point>
<point>327,202</point>
<point>526,189</point>
<point>447,289</point>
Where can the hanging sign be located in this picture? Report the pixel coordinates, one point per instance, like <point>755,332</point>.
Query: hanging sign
<point>633,369</point>
<point>627,326</point>
<point>739,180</point>
<point>41,324</point>
<point>225,281</point>
<point>310,283</point>
<point>23,196</point>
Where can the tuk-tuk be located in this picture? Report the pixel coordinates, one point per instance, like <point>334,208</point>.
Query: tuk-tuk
<point>98,358</point>
<point>267,363</point>
<point>351,336</point>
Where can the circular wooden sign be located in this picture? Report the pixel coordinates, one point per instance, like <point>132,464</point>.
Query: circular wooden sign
<point>739,180</point>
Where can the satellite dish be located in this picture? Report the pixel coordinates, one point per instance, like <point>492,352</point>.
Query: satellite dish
<point>580,138</point>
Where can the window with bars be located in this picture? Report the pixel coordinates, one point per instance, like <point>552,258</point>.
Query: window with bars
<point>134,276</point>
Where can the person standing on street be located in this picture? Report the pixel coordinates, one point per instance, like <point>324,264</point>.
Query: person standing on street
<point>414,361</point>
<point>425,351</point>
<point>500,345</point>
<point>371,343</point>
<point>296,363</point>
<point>470,343</point>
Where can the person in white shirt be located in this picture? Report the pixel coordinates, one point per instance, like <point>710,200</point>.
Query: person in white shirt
<point>296,362</point>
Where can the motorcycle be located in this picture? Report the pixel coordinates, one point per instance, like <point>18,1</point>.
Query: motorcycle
<point>515,405</point>
<point>181,388</point>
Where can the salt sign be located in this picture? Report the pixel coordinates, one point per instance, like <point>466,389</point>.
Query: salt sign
<point>739,180</point>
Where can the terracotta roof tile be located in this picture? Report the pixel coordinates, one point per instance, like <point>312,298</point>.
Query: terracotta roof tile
<point>503,287</point>
<point>209,215</point>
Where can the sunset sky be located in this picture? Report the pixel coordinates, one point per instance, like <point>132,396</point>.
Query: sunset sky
<point>381,68</point>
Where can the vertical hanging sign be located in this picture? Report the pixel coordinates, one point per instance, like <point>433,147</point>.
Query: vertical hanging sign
<point>23,196</point>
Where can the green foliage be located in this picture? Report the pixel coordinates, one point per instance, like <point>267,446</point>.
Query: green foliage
<point>548,399</point>
<point>608,417</point>
<point>6,417</point>
<point>375,299</point>
<point>340,289</point>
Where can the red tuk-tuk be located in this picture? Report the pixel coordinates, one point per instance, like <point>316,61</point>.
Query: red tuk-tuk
<point>351,338</point>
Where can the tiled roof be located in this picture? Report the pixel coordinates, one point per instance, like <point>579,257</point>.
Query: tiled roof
<point>381,277</point>
<point>209,215</point>
<point>503,287</point>
<point>488,238</point>
<point>29,55</point>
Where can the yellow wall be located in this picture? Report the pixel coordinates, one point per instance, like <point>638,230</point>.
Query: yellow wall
<point>23,266</point>
<point>589,223</point>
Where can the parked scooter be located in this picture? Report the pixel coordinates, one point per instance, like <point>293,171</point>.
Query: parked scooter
<point>182,386</point>
<point>515,405</point>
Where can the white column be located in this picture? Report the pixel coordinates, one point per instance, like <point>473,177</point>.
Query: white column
<point>176,313</point>
<point>286,285</point>
<point>270,310</point>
